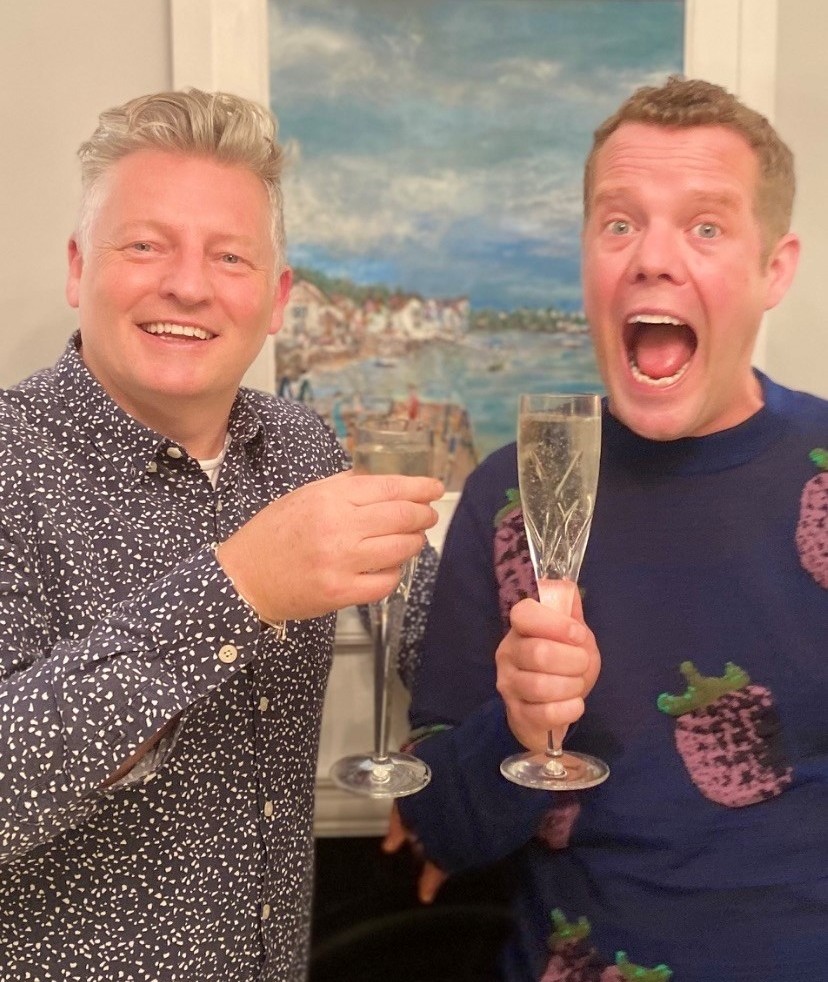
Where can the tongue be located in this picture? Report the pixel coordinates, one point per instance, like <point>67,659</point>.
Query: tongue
<point>661,349</point>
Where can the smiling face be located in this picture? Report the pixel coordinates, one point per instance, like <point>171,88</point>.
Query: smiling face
<point>177,289</point>
<point>675,284</point>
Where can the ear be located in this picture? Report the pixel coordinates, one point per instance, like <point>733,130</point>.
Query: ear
<point>781,268</point>
<point>280,299</point>
<point>73,274</point>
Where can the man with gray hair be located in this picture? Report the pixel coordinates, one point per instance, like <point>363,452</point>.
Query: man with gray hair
<point>172,550</point>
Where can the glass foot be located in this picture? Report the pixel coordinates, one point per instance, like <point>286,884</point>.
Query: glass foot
<point>569,772</point>
<point>396,776</point>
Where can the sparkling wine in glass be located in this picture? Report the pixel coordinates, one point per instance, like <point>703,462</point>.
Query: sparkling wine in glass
<point>559,449</point>
<point>382,773</point>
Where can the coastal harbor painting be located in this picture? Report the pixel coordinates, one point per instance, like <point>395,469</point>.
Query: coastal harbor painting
<point>433,201</point>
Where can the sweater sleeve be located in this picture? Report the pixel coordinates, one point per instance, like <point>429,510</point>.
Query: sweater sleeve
<point>469,815</point>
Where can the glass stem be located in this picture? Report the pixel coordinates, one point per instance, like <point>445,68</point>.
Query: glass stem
<point>560,595</point>
<point>382,655</point>
<point>554,751</point>
<point>386,627</point>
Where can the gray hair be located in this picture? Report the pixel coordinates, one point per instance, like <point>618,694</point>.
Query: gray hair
<point>225,127</point>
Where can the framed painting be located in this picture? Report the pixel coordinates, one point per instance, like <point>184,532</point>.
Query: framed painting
<point>433,200</point>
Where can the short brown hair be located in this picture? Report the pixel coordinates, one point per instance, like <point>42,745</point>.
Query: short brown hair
<point>225,127</point>
<point>685,102</point>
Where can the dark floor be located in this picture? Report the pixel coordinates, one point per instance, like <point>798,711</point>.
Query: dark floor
<point>369,926</point>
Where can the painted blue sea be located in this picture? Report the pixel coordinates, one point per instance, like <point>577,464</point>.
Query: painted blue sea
<point>485,374</point>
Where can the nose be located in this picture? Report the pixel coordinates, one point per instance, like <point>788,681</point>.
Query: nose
<point>186,277</point>
<point>658,255</point>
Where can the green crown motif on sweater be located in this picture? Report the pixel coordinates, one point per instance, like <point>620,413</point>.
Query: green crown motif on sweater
<point>702,690</point>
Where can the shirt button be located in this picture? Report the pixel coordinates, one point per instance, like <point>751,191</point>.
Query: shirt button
<point>264,702</point>
<point>175,452</point>
<point>265,911</point>
<point>152,467</point>
<point>268,809</point>
<point>228,653</point>
<point>219,505</point>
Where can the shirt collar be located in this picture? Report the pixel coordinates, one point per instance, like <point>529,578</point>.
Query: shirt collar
<point>122,439</point>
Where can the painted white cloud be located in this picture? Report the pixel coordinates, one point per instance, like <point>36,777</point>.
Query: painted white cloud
<point>357,204</point>
<point>522,73</point>
<point>325,59</point>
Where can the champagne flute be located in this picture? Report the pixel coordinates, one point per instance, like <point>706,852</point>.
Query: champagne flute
<point>383,774</point>
<point>559,449</point>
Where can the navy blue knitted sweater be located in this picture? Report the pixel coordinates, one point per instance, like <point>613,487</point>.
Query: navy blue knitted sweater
<point>705,853</point>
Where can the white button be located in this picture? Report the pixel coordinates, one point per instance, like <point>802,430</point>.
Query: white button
<point>152,467</point>
<point>219,505</point>
<point>264,702</point>
<point>175,452</point>
<point>268,809</point>
<point>228,653</point>
<point>265,911</point>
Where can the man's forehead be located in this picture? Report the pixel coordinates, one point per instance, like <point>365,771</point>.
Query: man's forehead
<point>715,157</point>
<point>153,175</point>
<point>667,141</point>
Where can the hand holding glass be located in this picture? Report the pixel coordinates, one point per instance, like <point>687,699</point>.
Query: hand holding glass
<point>382,774</point>
<point>559,449</point>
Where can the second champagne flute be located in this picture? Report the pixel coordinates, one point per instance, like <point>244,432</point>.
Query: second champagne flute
<point>386,774</point>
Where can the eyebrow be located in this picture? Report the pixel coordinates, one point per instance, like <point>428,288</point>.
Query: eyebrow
<point>138,225</point>
<point>701,197</point>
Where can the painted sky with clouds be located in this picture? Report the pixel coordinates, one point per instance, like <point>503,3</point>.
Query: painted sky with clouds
<point>437,145</point>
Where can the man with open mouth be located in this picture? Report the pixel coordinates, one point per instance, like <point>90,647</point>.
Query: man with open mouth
<point>703,856</point>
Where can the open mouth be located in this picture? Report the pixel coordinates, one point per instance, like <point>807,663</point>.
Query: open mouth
<point>162,328</point>
<point>659,348</point>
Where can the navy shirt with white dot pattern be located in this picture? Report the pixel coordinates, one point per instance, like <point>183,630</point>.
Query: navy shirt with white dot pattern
<point>115,617</point>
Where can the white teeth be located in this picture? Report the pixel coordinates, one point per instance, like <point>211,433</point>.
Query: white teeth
<point>177,330</point>
<point>654,319</point>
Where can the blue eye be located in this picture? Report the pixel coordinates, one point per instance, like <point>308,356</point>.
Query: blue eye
<point>231,258</point>
<point>619,227</point>
<point>707,230</point>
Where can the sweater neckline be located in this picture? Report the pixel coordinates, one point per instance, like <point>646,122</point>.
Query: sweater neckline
<point>697,455</point>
